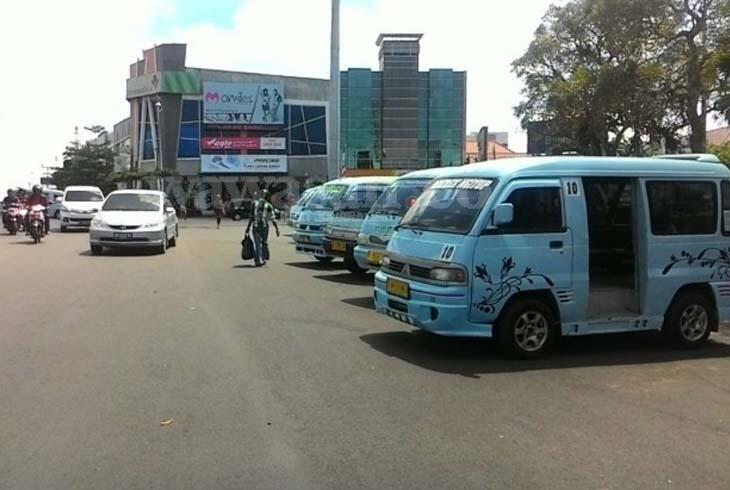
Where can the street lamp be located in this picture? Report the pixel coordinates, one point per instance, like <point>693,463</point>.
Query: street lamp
<point>158,107</point>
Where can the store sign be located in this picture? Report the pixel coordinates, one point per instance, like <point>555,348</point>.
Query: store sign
<point>243,103</point>
<point>164,82</point>
<point>243,164</point>
<point>243,143</point>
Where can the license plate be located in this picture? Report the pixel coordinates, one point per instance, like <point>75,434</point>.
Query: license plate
<point>122,236</point>
<point>398,288</point>
<point>338,246</point>
<point>375,258</point>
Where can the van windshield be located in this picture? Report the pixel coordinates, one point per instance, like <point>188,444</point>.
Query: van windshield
<point>449,205</point>
<point>327,198</point>
<point>360,198</point>
<point>399,197</point>
<point>83,196</point>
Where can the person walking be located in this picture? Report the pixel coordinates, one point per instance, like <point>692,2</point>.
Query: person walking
<point>262,215</point>
<point>183,211</point>
<point>219,208</point>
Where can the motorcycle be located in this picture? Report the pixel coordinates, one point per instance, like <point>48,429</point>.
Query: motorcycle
<point>12,219</point>
<point>37,222</point>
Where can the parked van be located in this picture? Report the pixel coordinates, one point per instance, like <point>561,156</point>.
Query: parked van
<point>309,231</point>
<point>387,212</point>
<point>79,205</point>
<point>301,202</point>
<point>341,233</point>
<point>529,250</point>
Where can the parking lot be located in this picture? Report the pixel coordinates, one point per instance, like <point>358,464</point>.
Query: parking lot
<point>285,377</point>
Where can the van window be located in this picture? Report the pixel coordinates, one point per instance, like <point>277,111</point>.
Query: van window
<point>83,196</point>
<point>537,210</point>
<point>682,208</point>
<point>725,207</point>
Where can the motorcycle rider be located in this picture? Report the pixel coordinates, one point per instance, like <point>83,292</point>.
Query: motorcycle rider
<point>9,200</point>
<point>38,199</point>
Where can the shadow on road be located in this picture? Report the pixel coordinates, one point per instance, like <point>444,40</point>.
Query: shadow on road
<point>365,302</point>
<point>318,266</point>
<point>475,357</point>
<point>245,266</point>
<point>348,279</point>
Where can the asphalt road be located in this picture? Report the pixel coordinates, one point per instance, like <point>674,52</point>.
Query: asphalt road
<point>284,377</point>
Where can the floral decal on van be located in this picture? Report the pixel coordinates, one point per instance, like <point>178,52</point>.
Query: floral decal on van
<point>715,259</point>
<point>507,284</point>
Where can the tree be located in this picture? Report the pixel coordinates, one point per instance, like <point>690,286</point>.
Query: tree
<point>86,164</point>
<point>722,152</point>
<point>625,76</point>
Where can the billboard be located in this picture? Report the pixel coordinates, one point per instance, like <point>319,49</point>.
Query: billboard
<point>243,103</point>
<point>164,82</point>
<point>243,143</point>
<point>243,164</point>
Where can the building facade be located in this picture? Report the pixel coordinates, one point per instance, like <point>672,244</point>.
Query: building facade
<point>401,118</point>
<point>209,127</point>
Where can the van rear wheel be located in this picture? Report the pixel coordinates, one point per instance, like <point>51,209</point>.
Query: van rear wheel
<point>689,321</point>
<point>527,329</point>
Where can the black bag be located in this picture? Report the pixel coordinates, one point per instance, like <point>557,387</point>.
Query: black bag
<point>247,248</point>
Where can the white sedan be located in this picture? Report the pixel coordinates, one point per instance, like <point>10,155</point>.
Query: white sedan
<point>134,218</point>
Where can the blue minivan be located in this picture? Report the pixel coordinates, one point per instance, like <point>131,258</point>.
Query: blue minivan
<point>387,212</point>
<point>529,250</point>
<point>314,215</point>
<point>340,234</point>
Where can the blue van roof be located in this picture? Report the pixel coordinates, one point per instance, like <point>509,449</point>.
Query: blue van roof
<point>429,173</point>
<point>570,166</point>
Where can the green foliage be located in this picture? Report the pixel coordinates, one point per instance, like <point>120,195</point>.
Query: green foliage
<point>86,164</point>
<point>625,76</point>
<point>722,152</point>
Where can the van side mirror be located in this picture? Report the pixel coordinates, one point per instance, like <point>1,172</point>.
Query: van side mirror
<point>59,199</point>
<point>504,214</point>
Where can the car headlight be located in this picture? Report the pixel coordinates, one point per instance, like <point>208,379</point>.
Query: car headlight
<point>448,275</point>
<point>363,239</point>
<point>64,208</point>
<point>97,223</point>
<point>156,224</point>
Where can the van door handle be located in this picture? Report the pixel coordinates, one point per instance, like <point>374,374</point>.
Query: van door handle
<point>556,244</point>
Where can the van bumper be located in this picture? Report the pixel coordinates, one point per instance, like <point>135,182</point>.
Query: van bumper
<point>309,243</point>
<point>441,311</point>
<point>361,257</point>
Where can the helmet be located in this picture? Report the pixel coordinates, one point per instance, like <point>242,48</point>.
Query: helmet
<point>36,189</point>
<point>10,191</point>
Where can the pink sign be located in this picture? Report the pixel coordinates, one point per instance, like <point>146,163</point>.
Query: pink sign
<point>243,143</point>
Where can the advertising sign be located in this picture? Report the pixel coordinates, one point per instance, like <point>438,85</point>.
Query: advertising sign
<point>243,103</point>
<point>243,143</point>
<point>164,82</point>
<point>243,164</point>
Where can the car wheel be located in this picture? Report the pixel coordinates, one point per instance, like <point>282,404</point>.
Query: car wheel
<point>689,321</point>
<point>97,250</point>
<point>351,265</point>
<point>63,229</point>
<point>163,248</point>
<point>325,260</point>
<point>527,329</point>
<point>173,241</point>
<point>236,217</point>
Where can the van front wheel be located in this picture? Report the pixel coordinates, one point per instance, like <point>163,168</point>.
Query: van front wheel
<point>689,321</point>
<point>527,329</point>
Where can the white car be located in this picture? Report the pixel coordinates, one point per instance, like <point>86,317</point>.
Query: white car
<point>54,198</point>
<point>79,205</point>
<point>134,218</point>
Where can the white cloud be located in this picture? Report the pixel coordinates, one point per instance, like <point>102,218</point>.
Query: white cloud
<point>65,62</point>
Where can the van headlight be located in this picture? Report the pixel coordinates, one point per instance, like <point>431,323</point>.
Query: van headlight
<point>443,274</point>
<point>385,262</point>
<point>327,230</point>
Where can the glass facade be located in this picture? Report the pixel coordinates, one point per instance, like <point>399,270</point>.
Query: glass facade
<point>189,140</point>
<point>402,118</point>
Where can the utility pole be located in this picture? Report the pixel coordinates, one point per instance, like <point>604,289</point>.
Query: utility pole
<point>333,148</point>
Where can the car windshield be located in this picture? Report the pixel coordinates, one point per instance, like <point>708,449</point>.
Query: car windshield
<point>132,202</point>
<point>449,205</point>
<point>83,196</point>
<point>399,197</point>
<point>327,198</point>
<point>360,198</point>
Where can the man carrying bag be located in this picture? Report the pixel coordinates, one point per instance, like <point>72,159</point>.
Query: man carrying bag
<point>262,214</point>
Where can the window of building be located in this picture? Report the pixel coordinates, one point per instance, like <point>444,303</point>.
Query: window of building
<point>364,160</point>
<point>682,208</point>
<point>189,141</point>
<point>536,210</point>
<point>307,130</point>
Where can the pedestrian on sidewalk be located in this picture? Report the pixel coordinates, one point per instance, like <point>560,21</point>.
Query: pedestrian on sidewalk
<point>183,210</point>
<point>262,215</point>
<point>218,207</point>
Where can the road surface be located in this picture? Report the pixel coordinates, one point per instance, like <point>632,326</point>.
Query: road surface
<point>284,377</point>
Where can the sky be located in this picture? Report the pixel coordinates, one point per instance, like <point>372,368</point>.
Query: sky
<point>65,62</point>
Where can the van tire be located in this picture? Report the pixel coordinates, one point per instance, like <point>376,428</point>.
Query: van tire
<point>689,321</point>
<point>354,268</point>
<point>527,315</point>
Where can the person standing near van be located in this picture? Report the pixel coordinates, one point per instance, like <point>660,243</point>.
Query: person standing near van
<point>219,208</point>
<point>262,214</point>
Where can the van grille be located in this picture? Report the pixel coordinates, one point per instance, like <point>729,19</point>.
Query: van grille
<point>396,266</point>
<point>418,271</point>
